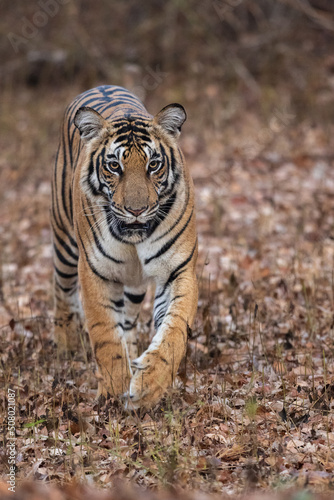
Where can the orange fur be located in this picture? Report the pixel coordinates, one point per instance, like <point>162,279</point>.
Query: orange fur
<point>122,216</point>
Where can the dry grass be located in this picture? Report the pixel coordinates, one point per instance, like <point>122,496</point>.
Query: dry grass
<point>253,406</point>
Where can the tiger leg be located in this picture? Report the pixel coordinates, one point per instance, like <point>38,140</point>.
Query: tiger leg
<point>67,306</point>
<point>133,298</point>
<point>156,368</point>
<point>103,304</point>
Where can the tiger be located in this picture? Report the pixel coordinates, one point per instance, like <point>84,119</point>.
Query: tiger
<point>123,216</point>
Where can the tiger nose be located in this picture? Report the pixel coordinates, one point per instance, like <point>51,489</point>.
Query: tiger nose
<point>135,212</point>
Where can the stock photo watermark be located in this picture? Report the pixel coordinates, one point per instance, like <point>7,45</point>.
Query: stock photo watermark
<point>150,81</point>
<point>11,439</point>
<point>29,29</point>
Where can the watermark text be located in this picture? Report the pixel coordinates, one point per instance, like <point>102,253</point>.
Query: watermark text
<point>11,439</point>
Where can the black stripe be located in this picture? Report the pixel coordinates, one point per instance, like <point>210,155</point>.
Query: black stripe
<point>177,271</point>
<point>92,267</point>
<point>100,345</point>
<point>171,192</point>
<point>96,223</point>
<point>165,209</point>
<point>174,315</point>
<point>108,306</point>
<point>131,127</point>
<point>101,249</point>
<point>177,220</point>
<point>118,303</point>
<point>128,327</point>
<point>180,269</point>
<point>72,241</point>
<point>66,290</point>
<point>135,299</point>
<point>91,170</point>
<point>55,203</point>
<point>157,306</point>
<point>62,258</point>
<point>100,159</point>
<point>171,242</point>
<point>71,204</point>
<point>65,275</point>
<point>158,318</point>
<point>172,161</point>
<point>95,325</point>
<point>177,297</point>
<point>63,178</point>
<point>65,246</point>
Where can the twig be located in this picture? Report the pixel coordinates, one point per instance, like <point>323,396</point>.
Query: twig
<point>314,14</point>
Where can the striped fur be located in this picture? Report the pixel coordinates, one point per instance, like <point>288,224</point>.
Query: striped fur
<point>123,215</point>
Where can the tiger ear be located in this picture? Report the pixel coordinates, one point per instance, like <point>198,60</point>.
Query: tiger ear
<point>89,122</point>
<point>171,118</point>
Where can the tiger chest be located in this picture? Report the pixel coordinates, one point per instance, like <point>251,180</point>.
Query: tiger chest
<point>118,262</point>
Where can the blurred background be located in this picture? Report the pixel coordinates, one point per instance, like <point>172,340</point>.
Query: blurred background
<point>257,80</point>
<point>238,53</point>
<point>251,48</point>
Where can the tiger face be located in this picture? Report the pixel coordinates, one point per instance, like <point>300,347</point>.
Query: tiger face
<point>133,164</point>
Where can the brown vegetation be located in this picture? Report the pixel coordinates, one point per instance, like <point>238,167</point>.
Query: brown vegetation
<point>253,406</point>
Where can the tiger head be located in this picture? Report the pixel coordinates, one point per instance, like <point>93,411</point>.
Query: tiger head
<point>134,166</point>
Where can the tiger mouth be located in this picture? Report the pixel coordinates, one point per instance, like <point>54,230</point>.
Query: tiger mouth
<point>134,226</point>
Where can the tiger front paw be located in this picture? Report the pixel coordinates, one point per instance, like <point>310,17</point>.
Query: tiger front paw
<point>153,375</point>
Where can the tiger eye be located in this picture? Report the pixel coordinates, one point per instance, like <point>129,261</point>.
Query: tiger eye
<point>154,165</point>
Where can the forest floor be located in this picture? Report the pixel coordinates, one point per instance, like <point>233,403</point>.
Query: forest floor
<point>253,404</point>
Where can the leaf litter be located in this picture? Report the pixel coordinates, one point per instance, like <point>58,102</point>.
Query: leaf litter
<point>253,404</point>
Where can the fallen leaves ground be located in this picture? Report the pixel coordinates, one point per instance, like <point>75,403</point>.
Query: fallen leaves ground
<point>253,406</point>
